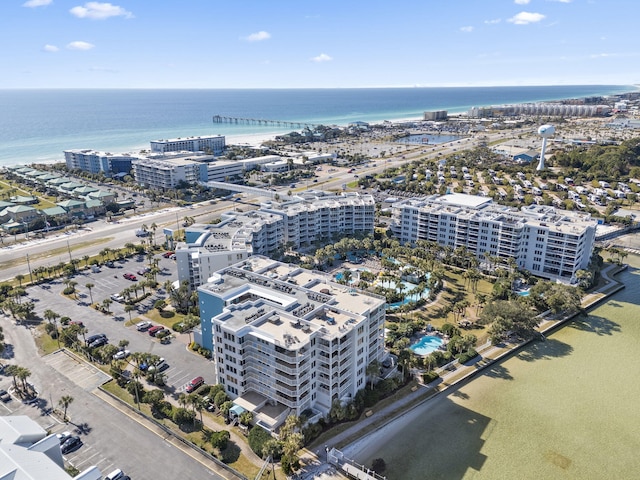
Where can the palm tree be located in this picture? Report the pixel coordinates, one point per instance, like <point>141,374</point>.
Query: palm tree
<point>129,308</point>
<point>89,287</point>
<point>50,315</point>
<point>23,373</point>
<point>86,260</point>
<point>20,277</point>
<point>106,303</point>
<point>64,402</point>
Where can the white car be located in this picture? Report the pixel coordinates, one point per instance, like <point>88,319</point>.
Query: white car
<point>117,298</point>
<point>142,326</point>
<point>121,355</point>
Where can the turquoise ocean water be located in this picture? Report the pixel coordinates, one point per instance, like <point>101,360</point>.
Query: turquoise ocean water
<point>37,125</point>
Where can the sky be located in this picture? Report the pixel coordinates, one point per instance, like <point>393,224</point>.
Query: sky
<point>321,44</point>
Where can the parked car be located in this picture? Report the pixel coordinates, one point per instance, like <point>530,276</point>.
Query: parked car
<point>98,343</point>
<point>194,384</point>
<point>142,326</point>
<point>115,475</point>
<point>165,332</point>
<point>93,338</point>
<point>70,444</point>
<point>4,396</point>
<point>143,271</point>
<point>110,264</point>
<point>117,298</point>
<point>154,330</point>
<point>121,355</point>
<point>167,254</point>
<point>130,276</point>
<point>64,436</point>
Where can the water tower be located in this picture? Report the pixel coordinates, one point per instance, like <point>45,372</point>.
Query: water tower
<point>545,131</point>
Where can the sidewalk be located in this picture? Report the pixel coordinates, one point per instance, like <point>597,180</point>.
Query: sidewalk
<point>194,453</point>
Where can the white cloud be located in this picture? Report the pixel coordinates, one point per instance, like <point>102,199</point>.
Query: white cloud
<point>493,21</point>
<point>258,36</point>
<point>37,3</point>
<point>323,57</point>
<point>561,1</point>
<point>50,48</point>
<point>524,18</point>
<point>80,45</point>
<point>466,29</point>
<point>99,11</point>
<point>521,2</point>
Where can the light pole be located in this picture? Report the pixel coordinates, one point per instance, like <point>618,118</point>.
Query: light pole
<point>29,265</point>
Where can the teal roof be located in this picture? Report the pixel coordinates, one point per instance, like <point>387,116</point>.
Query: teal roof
<point>53,211</point>
<point>84,190</point>
<point>70,203</point>
<point>93,203</point>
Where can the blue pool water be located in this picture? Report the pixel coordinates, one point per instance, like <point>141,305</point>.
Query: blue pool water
<point>523,293</point>
<point>426,345</point>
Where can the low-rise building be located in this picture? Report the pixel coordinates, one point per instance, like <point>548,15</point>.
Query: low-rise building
<point>28,452</point>
<point>286,340</point>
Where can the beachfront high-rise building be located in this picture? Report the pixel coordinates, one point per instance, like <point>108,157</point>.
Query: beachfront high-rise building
<point>299,222</point>
<point>96,162</point>
<point>550,243</point>
<point>213,145</point>
<point>546,109</point>
<point>167,172</point>
<point>286,340</point>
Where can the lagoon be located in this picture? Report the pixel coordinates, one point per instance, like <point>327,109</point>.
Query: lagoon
<point>563,408</point>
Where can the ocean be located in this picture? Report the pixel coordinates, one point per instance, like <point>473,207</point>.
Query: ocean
<point>37,125</point>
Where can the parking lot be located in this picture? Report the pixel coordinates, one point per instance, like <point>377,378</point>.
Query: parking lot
<point>184,365</point>
<point>110,439</point>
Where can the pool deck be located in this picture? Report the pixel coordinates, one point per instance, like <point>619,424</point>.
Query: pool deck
<point>371,426</point>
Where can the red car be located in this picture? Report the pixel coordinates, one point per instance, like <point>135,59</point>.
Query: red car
<point>168,254</point>
<point>194,384</point>
<point>130,276</point>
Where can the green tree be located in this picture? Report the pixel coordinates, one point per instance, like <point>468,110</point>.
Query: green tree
<point>64,402</point>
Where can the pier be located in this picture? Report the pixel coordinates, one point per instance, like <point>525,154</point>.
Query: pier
<point>260,122</point>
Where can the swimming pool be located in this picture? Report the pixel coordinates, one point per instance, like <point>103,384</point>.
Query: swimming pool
<point>426,345</point>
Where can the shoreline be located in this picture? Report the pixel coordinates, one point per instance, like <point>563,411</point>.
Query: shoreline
<point>255,138</point>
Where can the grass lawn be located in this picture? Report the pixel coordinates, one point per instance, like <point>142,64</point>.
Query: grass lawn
<point>44,342</point>
<point>166,317</point>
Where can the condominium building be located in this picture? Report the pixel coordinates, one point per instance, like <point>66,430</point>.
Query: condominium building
<point>96,162</point>
<point>547,109</point>
<point>165,173</point>
<point>549,243</point>
<point>214,145</point>
<point>286,340</point>
<point>304,219</point>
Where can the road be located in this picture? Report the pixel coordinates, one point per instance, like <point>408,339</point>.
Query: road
<point>95,237</point>
<point>110,439</point>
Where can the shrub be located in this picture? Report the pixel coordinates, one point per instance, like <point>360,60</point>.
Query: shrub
<point>69,290</point>
<point>449,329</point>
<point>178,327</point>
<point>258,436</point>
<point>220,439</point>
<point>468,355</point>
<point>429,377</point>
